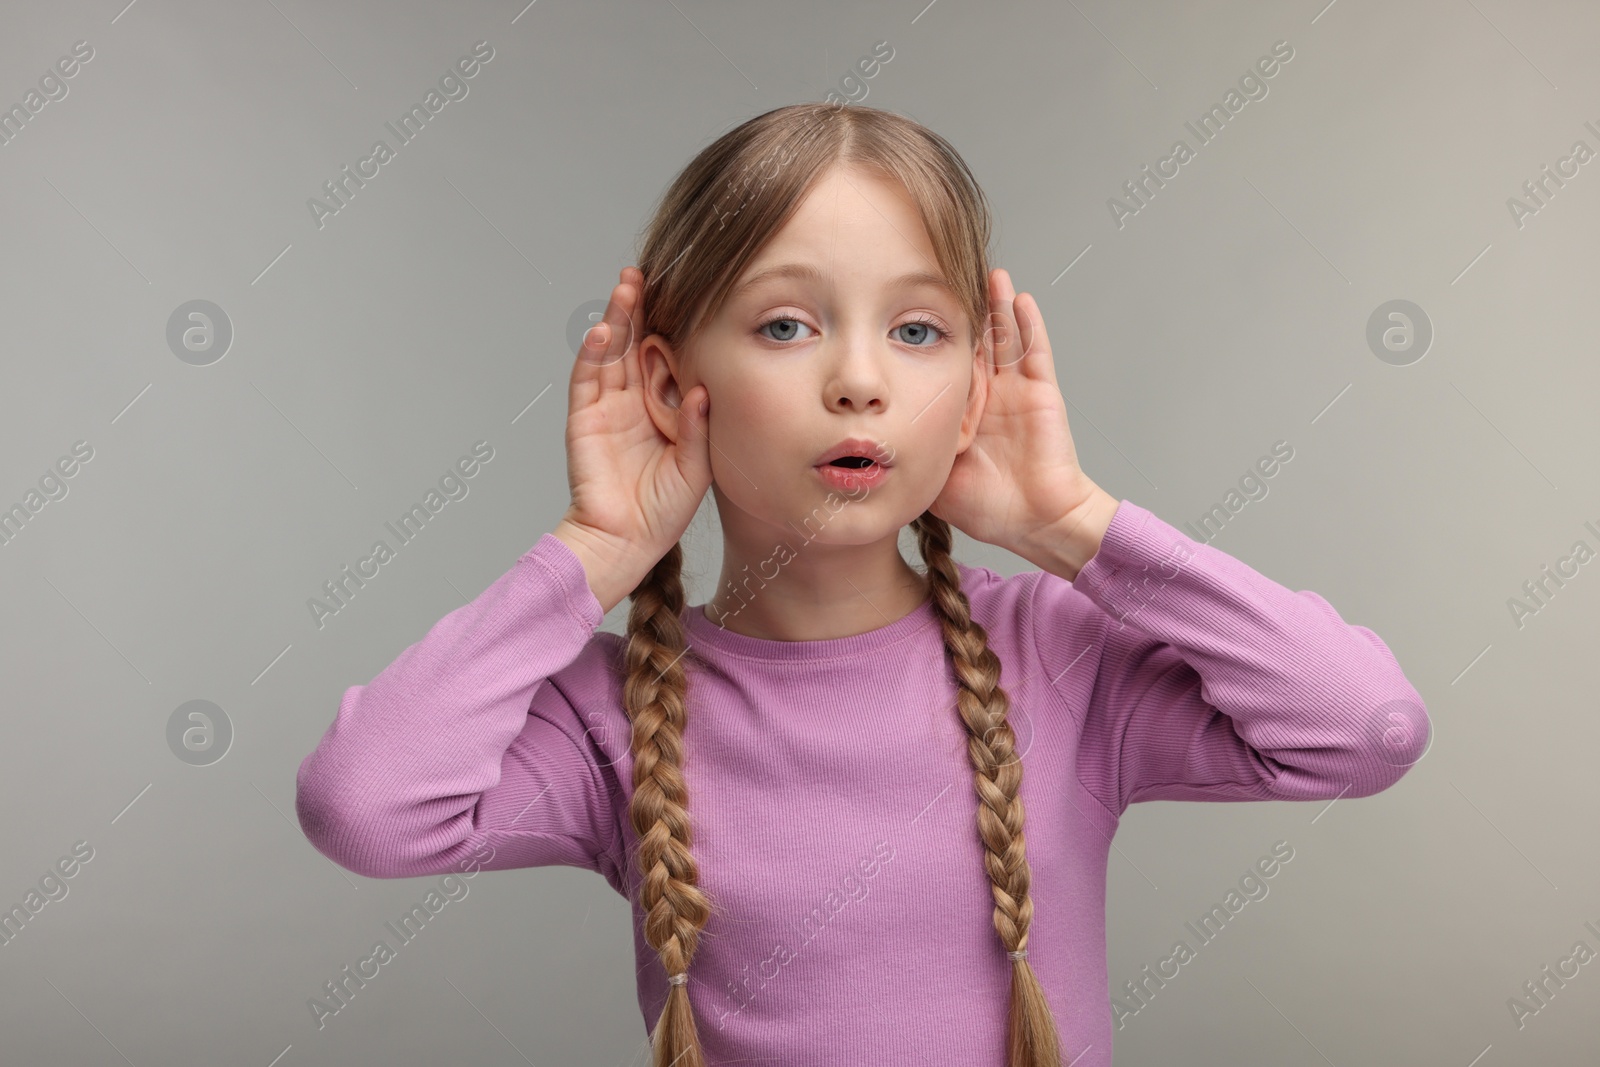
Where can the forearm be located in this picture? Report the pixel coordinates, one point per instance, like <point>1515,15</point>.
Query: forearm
<point>1215,682</point>
<point>393,787</point>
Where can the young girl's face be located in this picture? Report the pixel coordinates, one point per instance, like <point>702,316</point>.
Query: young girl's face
<point>839,327</point>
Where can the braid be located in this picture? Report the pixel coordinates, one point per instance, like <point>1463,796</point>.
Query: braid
<point>1032,1039</point>
<point>654,693</point>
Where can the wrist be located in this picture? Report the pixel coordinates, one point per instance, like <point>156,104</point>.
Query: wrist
<point>1066,546</point>
<point>607,566</point>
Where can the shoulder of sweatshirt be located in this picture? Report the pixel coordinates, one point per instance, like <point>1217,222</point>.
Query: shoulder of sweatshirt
<point>1039,616</point>
<point>1047,635</point>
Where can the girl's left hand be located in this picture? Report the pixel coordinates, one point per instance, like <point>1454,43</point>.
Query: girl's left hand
<point>1020,476</point>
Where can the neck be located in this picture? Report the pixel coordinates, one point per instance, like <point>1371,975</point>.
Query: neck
<point>801,606</point>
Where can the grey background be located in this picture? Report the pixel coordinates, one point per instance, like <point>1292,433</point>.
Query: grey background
<point>431,312</point>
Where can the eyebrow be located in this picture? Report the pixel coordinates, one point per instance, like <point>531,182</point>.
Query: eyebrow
<point>806,272</point>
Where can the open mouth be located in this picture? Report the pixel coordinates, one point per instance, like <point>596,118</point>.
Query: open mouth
<point>852,473</point>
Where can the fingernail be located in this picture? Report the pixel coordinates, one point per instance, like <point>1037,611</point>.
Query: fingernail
<point>704,401</point>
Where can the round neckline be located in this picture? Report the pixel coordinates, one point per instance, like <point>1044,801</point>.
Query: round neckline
<point>704,633</point>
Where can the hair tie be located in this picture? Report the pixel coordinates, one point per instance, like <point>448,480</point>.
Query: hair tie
<point>678,979</point>
<point>1020,954</point>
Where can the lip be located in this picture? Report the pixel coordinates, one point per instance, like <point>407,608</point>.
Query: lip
<point>880,455</point>
<point>850,479</point>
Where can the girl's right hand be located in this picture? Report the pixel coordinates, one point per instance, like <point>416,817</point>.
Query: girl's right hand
<point>634,491</point>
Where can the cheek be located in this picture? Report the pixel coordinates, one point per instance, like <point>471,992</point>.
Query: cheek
<point>751,411</point>
<point>950,407</point>
<point>751,430</point>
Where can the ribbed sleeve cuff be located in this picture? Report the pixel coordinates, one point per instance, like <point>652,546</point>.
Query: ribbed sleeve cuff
<point>552,554</point>
<point>1134,539</point>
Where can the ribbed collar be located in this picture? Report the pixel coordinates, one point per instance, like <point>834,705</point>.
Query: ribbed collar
<point>707,635</point>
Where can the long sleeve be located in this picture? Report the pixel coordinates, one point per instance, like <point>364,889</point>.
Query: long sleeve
<point>473,737</point>
<point>1213,682</point>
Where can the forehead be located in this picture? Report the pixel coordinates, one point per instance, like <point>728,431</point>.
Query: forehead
<point>812,275</point>
<point>854,228</point>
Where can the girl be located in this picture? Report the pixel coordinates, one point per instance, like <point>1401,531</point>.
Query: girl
<point>774,779</point>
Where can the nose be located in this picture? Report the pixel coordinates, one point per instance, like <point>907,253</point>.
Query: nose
<point>857,380</point>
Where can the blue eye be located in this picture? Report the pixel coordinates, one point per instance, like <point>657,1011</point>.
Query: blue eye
<point>783,322</point>
<point>921,328</point>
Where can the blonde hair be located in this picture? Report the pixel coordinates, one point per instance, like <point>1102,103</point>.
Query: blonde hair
<point>712,220</point>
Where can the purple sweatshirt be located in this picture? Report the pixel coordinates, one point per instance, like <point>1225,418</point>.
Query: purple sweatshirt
<point>830,792</point>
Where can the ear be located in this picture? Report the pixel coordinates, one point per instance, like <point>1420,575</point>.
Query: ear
<point>977,398</point>
<point>659,366</point>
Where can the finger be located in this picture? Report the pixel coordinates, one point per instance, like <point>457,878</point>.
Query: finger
<point>589,379</point>
<point>1025,334</point>
<point>993,326</point>
<point>606,343</point>
<point>632,298</point>
<point>1038,359</point>
<point>1004,337</point>
<point>596,344</point>
<point>634,277</point>
<point>583,388</point>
